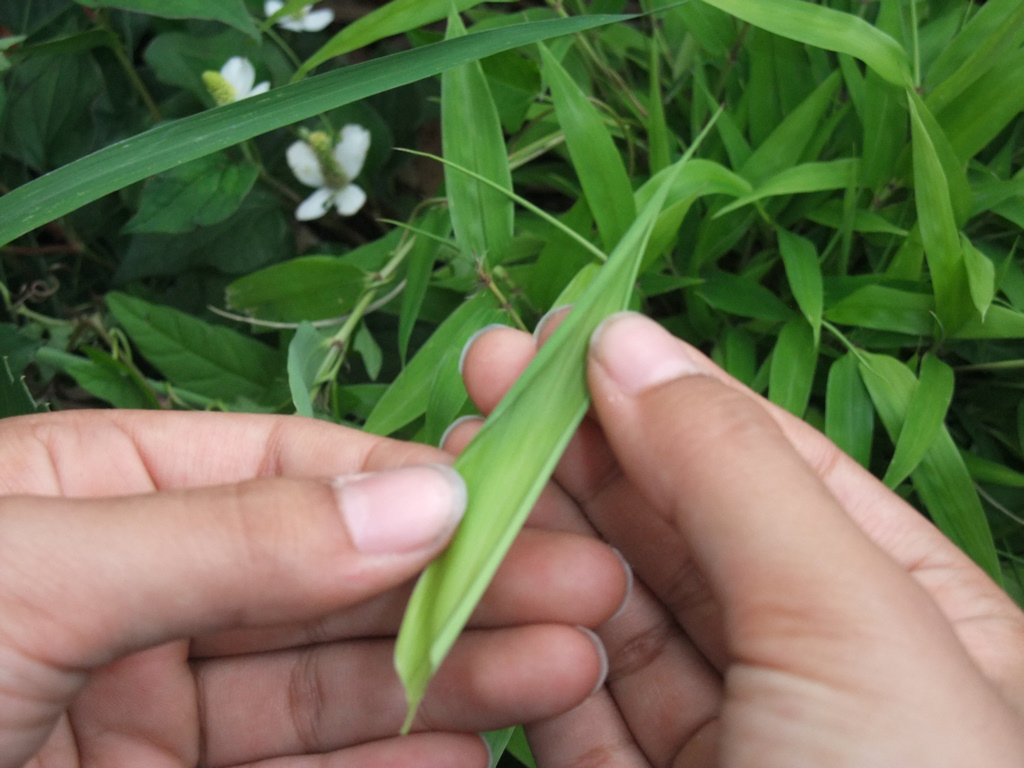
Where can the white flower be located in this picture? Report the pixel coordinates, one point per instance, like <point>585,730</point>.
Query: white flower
<point>318,162</point>
<point>235,81</point>
<point>305,20</point>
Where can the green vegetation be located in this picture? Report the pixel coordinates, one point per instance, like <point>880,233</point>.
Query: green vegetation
<point>842,236</point>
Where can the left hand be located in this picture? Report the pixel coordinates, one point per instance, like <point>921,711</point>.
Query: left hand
<point>180,589</point>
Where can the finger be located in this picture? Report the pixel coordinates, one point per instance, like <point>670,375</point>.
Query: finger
<point>805,595</point>
<point>424,750</point>
<point>328,697</point>
<point>547,577</point>
<point>588,476</point>
<point>117,452</point>
<point>84,582</point>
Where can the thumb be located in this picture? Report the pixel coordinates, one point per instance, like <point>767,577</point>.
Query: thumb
<point>83,582</point>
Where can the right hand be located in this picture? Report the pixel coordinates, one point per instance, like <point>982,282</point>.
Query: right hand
<point>790,610</point>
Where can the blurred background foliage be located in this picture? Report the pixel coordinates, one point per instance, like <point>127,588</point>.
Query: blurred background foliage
<point>845,239</point>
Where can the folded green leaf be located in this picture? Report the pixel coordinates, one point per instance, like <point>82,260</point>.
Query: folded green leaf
<point>508,462</point>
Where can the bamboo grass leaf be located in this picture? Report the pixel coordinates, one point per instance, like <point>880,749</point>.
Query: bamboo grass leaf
<point>173,143</point>
<point>798,179</point>
<point>849,415</point>
<point>941,479</point>
<point>824,28</point>
<point>595,158</point>
<point>885,309</point>
<point>981,276</point>
<point>504,479</point>
<point>800,259</point>
<point>939,233</point>
<point>404,400</point>
<point>394,18</point>
<point>925,415</point>
<point>471,135</point>
<point>793,364</point>
<point>788,143</point>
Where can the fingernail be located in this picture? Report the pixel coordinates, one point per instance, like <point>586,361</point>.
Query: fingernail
<point>637,353</point>
<point>472,340</point>
<point>550,315</point>
<point>403,510</point>
<point>602,655</point>
<point>629,584</point>
<point>456,423</point>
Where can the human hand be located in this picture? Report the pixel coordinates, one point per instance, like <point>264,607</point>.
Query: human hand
<point>184,589</point>
<point>790,610</point>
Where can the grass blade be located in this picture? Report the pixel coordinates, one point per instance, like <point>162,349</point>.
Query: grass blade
<point>941,479</point>
<point>472,137</point>
<point>595,158</point>
<point>925,415</point>
<point>849,416</point>
<point>939,233</point>
<point>171,144</point>
<point>541,410</point>
<point>800,259</point>
<point>394,18</point>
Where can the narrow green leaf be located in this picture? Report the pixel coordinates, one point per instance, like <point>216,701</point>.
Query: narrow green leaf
<point>394,18</point>
<point>175,142</point>
<point>800,179</point>
<point>825,28</point>
<point>924,418</point>
<point>405,400</point>
<point>849,415</point>
<point>542,410</point>
<point>472,137</point>
<point>987,471</point>
<point>885,309</point>
<point>794,360</point>
<point>437,223</point>
<point>595,158</point>
<point>207,359</point>
<point>803,271</point>
<point>788,143</point>
<point>743,296</point>
<point>939,231</point>
<point>658,134</point>
<point>981,276</point>
<point>941,479</point>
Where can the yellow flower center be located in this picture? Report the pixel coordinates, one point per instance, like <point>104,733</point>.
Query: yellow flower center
<point>323,148</point>
<point>218,87</point>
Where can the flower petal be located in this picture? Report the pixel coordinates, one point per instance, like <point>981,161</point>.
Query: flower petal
<point>351,150</point>
<point>350,199</point>
<point>302,160</point>
<point>239,72</point>
<point>317,20</point>
<point>270,7</point>
<point>259,88</point>
<point>316,205</point>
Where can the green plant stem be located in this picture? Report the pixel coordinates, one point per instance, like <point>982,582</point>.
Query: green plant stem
<point>103,21</point>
